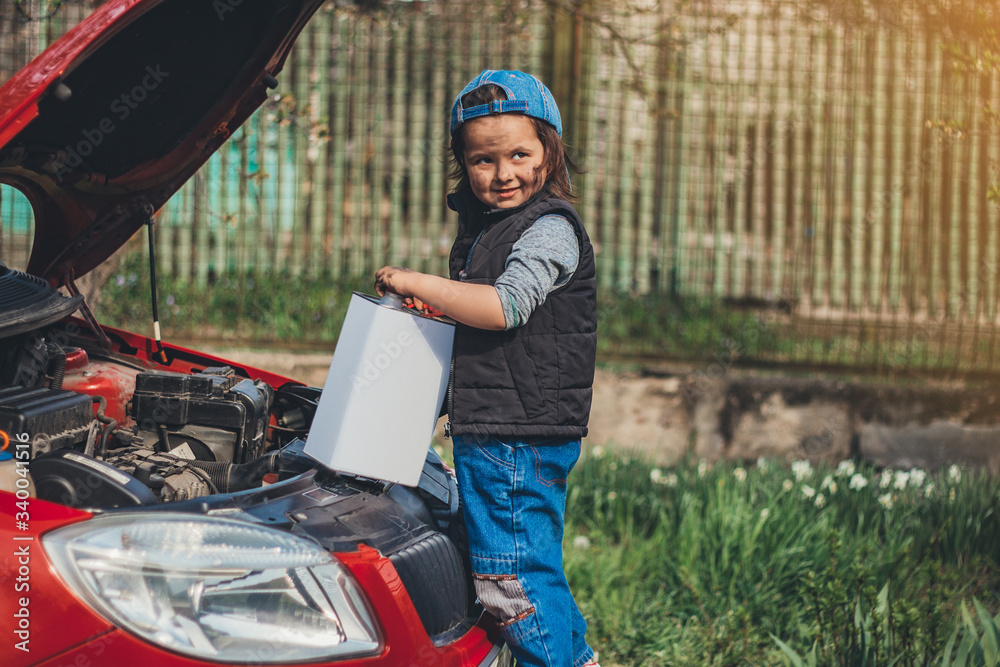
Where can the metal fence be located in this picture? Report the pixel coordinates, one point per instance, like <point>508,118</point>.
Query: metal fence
<point>822,160</point>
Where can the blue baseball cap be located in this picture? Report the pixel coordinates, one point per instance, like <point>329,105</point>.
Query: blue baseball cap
<point>525,94</point>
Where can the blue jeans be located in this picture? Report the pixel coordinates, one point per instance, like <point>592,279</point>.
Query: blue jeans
<point>514,494</point>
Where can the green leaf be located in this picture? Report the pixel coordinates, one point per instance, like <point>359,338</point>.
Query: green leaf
<point>793,657</point>
<point>883,601</point>
<point>991,636</point>
<point>946,657</point>
<point>964,649</point>
<point>970,624</point>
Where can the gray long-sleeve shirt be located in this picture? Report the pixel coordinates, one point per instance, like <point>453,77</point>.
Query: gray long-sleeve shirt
<point>542,260</point>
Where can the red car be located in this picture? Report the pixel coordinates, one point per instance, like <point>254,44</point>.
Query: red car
<point>156,506</point>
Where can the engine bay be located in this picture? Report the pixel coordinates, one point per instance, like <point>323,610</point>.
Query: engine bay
<point>104,419</point>
<point>104,431</point>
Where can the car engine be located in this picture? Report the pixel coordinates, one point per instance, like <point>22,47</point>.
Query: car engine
<point>104,430</point>
<point>105,433</point>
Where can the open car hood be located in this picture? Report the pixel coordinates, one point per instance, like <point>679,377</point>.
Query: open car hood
<point>105,125</point>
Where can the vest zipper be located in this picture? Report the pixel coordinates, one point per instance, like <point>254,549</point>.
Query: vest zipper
<point>447,396</point>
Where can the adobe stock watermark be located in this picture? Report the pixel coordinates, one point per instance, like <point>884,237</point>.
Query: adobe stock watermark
<point>23,539</point>
<point>120,108</point>
<point>223,7</point>
<point>373,367</point>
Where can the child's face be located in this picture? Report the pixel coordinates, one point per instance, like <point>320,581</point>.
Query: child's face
<point>503,157</point>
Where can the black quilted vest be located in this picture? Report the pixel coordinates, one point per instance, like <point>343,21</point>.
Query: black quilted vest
<point>533,382</point>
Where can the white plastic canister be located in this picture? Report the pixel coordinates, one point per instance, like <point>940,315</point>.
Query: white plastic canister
<point>383,392</point>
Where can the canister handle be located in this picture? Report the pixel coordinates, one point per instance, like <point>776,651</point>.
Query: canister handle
<point>392,300</point>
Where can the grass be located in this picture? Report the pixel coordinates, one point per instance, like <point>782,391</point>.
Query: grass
<point>654,325</point>
<point>262,309</point>
<point>250,308</point>
<point>723,565</point>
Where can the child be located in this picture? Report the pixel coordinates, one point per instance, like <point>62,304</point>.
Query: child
<point>523,292</point>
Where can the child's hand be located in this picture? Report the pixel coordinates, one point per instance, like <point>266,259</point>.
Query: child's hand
<point>393,279</point>
<point>472,304</point>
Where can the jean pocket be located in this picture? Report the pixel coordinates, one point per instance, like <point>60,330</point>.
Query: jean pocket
<point>548,472</point>
<point>552,463</point>
<point>499,453</point>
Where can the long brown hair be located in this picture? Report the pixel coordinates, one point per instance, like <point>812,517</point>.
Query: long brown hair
<point>555,161</point>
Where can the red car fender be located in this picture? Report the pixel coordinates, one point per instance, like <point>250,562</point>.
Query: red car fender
<point>42,616</point>
<point>407,645</point>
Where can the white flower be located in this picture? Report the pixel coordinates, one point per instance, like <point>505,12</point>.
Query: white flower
<point>808,491</point>
<point>656,476</point>
<point>930,490</point>
<point>764,513</point>
<point>900,479</point>
<point>954,474</point>
<point>845,468</point>
<point>702,468</point>
<point>885,501</point>
<point>917,477</point>
<point>740,474</point>
<point>787,485</point>
<point>828,483</point>
<point>801,470</point>
<point>858,482</point>
<point>762,464</point>
<point>581,542</point>
<point>597,452</point>
<point>885,479</point>
<point>612,496</point>
<point>820,501</point>
<point>951,495</point>
<point>613,466</point>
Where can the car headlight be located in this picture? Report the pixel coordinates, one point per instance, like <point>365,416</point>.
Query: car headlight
<point>215,588</point>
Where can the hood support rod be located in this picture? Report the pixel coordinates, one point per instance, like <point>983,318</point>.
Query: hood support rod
<point>161,354</point>
<point>69,280</point>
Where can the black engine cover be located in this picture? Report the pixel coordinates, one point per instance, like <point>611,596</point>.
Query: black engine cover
<point>215,398</point>
<point>51,418</point>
